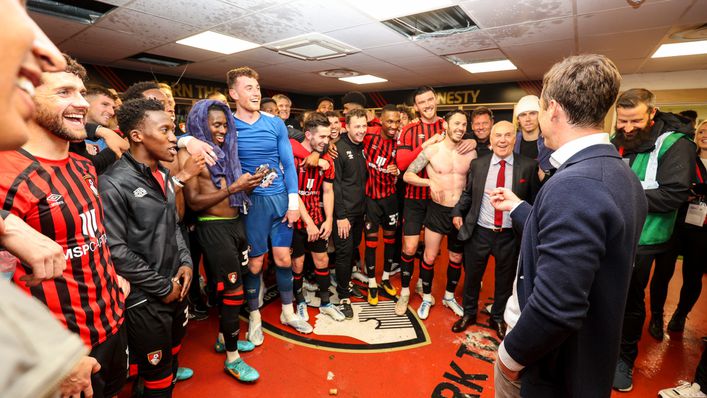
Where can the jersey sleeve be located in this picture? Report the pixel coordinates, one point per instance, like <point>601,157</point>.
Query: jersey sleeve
<point>330,174</point>
<point>287,159</point>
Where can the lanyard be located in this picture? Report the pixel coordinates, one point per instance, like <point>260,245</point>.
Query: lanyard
<point>699,173</point>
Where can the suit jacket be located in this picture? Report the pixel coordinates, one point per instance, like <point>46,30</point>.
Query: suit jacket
<point>577,251</point>
<point>525,184</point>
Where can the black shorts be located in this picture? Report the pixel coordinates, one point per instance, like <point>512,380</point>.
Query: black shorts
<point>225,249</point>
<point>300,244</point>
<point>439,219</point>
<point>414,212</point>
<point>155,332</point>
<point>113,357</point>
<point>381,213</point>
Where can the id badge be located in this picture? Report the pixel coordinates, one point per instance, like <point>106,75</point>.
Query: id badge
<point>696,214</point>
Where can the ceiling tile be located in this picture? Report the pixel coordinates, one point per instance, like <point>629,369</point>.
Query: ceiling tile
<point>628,66</point>
<point>585,7</point>
<point>149,30</point>
<point>674,63</point>
<point>181,51</point>
<point>535,59</point>
<point>623,45</point>
<point>392,51</point>
<point>649,15</point>
<point>533,32</point>
<point>478,56</point>
<point>457,43</point>
<point>57,29</point>
<point>201,14</point>
<point>369,35</point>
<point>488,14</point>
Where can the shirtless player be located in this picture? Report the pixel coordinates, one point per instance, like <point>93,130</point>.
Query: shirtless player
<point>217,195</point>
<point>447,170</point>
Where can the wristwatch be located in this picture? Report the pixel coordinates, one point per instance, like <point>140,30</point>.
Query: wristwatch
<point>177,182</point>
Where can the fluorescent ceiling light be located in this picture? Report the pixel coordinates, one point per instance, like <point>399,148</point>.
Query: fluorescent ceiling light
<point>363,79</point>
<point>217,42</point>
<point>679,49</point>
<point>491,66</point>
<point>382,10</point>
<point>311,47</point>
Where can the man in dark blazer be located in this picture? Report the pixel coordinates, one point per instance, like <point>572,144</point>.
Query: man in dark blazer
<point>578,245</point>
<point>486,231</point>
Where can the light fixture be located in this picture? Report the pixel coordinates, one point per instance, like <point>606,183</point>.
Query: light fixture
<point>382,10</point>
<point>312,47</point>
<point>490,66</point>
<point>217,42</point>
<point>363,79</point>
<point>86,12</point>
<point>680,49</point>
<point>160,60</point>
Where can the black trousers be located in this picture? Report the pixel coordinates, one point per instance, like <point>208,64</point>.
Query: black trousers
<point>504,247</point>
<point>345,258</point>
<point>635,313</point>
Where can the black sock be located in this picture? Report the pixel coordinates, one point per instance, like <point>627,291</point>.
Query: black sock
<point>297,282</point>
<point>407,266</point>
<point>229,324</point>
<point>388,252</point>
<point>322,276</point>
<point>370,256</point>
<point>427,273</point>
<point>454,272</point>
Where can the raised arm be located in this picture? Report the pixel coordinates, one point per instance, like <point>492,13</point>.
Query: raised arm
<point>417,166</point>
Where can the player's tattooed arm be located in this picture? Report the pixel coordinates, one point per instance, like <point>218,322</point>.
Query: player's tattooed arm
<point>415,167</point>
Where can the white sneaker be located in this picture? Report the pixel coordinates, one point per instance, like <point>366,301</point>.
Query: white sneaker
<point>255,331</point>
<point>424,311</point>
<point>309,286</point>
<point>359,276</point>
<point>418,290</point>
<point>454,306</point>
<point>332,311</point>
<point>684,390</point>
<point>302,311</point>
<point>401,306</point>
<point>296,323</point>
<point>394,268</point>
<point>261,293</point>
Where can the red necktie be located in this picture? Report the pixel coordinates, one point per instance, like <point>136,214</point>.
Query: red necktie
<point>500,183</point>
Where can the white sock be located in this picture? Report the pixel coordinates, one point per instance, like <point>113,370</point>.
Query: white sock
<point>232,356</point>
<point>404,291</point>
<point>386,275</point>
<point>254,316</point>
<point>427,297</point>
<point>448,295</point>
<point>288,311</point>
<point>372,282</point>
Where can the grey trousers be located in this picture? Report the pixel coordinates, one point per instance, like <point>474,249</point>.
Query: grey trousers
<point>504,388</point>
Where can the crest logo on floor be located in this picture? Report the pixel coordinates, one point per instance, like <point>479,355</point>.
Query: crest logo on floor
<point>372,327</point>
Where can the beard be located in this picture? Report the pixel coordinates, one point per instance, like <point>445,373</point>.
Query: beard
<point>55,125</point>
<point>641,137</point>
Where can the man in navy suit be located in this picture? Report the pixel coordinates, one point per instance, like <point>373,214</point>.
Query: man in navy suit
<point>485,230</point>
<point>579,241</point>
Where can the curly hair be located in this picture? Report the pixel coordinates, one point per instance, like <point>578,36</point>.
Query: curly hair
<point>135,91</point>
<point>133,111</point>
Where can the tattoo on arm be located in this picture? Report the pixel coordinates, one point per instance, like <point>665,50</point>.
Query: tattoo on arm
<point>419,163</point>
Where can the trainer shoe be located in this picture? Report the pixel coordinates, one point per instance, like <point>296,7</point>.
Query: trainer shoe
<point>302,311</point>
<point>373,295</point>
<point>359,276</point>
<point>454,306</point>
<point>307,285</point>
<point>333,312</point>
<point>418,290</point>
<point>184,374</point>
<point>389,289</point>
<point>255,331</point>
<point>655,327</point>
<point>424,311</point>
<point>684,390</point>
<point>394,268</point>
<point>677,323</point>
<point>243,346</point>
<point>623,377</point>
<point>355,291</point>
<point>241,371</point>
<point>346,308</point>
<point>296,323</point>
<point>401,306</point>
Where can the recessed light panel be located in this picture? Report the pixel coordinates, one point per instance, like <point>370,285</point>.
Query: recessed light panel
<point>491,66</point>
<point>680,49</point>
<point>363,79</point>
<point>217,42</point>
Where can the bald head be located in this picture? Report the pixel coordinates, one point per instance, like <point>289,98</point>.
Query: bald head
<point>503,138</point>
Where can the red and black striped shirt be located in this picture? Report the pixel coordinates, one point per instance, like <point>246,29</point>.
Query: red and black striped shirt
<point>59,198</point>
<point>413,135</point>
<point>380,153</point>
<point>310,180</point>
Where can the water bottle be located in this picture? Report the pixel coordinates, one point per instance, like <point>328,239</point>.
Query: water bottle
<point>8,264</point>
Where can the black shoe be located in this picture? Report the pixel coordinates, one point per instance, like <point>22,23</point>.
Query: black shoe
<point>198,312</point>
<point>499,327</point>
<point>463,323</point>
<point>346,309</point>
<point>354,291</point>
<point>677,323</point>
<point>655,327</point>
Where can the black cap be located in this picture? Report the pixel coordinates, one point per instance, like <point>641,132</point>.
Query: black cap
<point>322,99</point>
<point>355,97</point>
